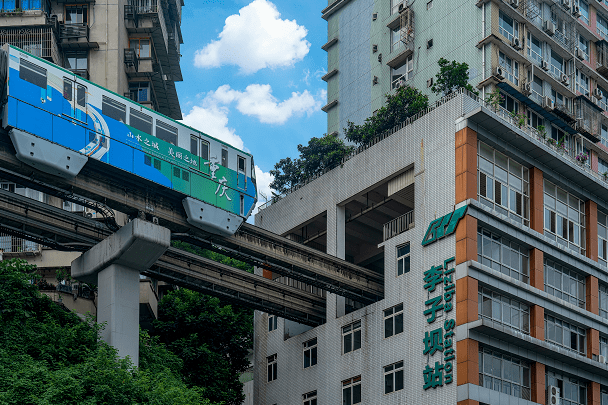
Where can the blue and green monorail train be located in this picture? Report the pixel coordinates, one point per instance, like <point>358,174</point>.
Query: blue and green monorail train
<point>57,121</point>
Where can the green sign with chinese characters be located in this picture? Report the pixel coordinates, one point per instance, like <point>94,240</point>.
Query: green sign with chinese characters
<point>443,226</point>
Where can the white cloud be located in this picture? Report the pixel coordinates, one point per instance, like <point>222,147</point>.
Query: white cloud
<point>254,39</point>
<point>257,101</point>
<point>213,120</point>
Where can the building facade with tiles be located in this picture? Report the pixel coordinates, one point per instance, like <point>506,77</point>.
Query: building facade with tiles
<point>492,243</point>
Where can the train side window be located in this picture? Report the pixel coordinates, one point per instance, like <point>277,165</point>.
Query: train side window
<point>166,132</point>
<point>241,165</point>
<point>81,95</point>
<point>113,109</point>
<point>32,73</point>
<point>194,145</point>
<point>140,121</point>
<point>224,157</point>
<point>67,89</point>
<point>176,172</point>
<point>157,164</point>
<point>185,175</point>
<point>147,160</point>
<point>205,150</point>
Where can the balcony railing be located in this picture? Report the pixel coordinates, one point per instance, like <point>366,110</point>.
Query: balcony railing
<point>398,225</point>
<point>13,245</point>
<point>73,31</point>
<point>39,41</point>
<point>131,59</point>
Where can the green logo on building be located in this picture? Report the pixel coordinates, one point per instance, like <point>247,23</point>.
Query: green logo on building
<point>443,226</point>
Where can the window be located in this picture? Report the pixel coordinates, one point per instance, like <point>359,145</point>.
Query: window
<point>602,26</point>
<point>242,205</point>
<point>572,391</point>
<point>564,218</point>
<point>511,68</point>
<point>272,367</point>
<point>141,46</point>
<point>535,12</point>
<point>501,254</point>
<point>395,6</point>
<point>565,284</point>
<point>272,322</point>
<point>68,90</point>
<point>503,184</point>
<point>396,42</point>
<point>166,132</point>
<point>195,142</point>
<point>32,73</point>
<point>583,8</point>
<point>605,135</point>
<point>77,14</point>
<point>402,73</point>
<point>583,45</point>
<point>224,157</point>
<point>582,82</point>
<point>309,398</point>
<point>393,321</point>
<point>602,166</point>
<point>140,121</point>
<point>537,90</point>
<point>504,373</point>
<point>194,145</point>
<point>241,164</point>
<point>504,310</point>
<point>140,92</point>
<point>508,103</point>
<point>393,377</point>
<point>602,225</point>
<point>604,396</point>
<point>535,50</point>
<point>351,391</point>
<point>565,335</point>
<point>351,337</point>
<point>81,95</point>
<point>113,109</point>
<point>604,346</point>
<point>76,61</point>
<point>403,259</point>
<point>310,353</point>
<point>557,68</point>
<point>534,120</point>
<point>603,99</point>
<point>204,149</point>
<point>351,305</point>
<point>507,26</point>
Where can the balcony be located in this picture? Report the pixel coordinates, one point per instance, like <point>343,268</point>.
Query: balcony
<point>13,246</point>
<point>136,66</point>
<point>75,36</point>
<point>398,225</point>
<point>602,58</point>
<point>39,41</point>
<point>588,119</point>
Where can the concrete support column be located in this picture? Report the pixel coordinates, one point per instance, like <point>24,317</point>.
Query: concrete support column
<point>466,165</point>
<point>593,343</point>
<point>466,300</point>
<point>537,322</point>
<point>336,246</point>
<point>537,269</point>
<point>466,239</point>
<point>467,357</point>
<point>593,393</point>
<point>536,200</point>
<point>114,265</point>
<point>591,230</point>
<point>592,292</point>
<point>538,383</point>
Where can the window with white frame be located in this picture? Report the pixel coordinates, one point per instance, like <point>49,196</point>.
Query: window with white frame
<point>602,225</point>
<point>583,7</point>
<point>272,322</point>
<point>393,377</point>
<point>403,259</point>
<point>559,99</point>
<point>559,136</point>
<point>504,310</point>
<point>511,68</point>
<point>309,398</point>
<point>604,135</point>
<point>537,90</point>
<point>564,218</point>
<point>603,99</point>
<point>602,166</point>
<point>503,184</point>
<point>572,391</point>
<point>557,67</point>
<point>564,334</point>
<point>603,301</point>
<point>535,120</point>
<point>535,49</point>
<point>310,353</point>
<point>604,346</point>
<point>396,42</point>
<point>351,391</point>
<point>503,255</point>
<point>403,73</point>
<point>582,82</point>
<point>507,374</point>
<point>564,283</point>
<point>602,26</point>
<point>509,103</point>
<point>271,361</point>
<point>507,26</point>
<point>583,45</point>
<point>351,337</point>
<point>393,321</point>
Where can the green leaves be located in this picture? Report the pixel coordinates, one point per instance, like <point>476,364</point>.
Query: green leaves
<point>452,76</point>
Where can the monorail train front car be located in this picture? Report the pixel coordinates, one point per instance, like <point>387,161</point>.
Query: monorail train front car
<point>58,120</point>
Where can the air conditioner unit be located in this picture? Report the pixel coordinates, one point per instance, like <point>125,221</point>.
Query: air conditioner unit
<point>527,89</point>
<point>565,80</point>
<point>498,72</point>
<point>401,7</point>
<point>514,3</point>
<point>597,93</point>
<point>549,27</point>
<point>566,4</point>
<point>576,11</point>
<point>579,53</point>
<point>594,100</point>
<point>544,65</point>
<point>548,103</point>
<point>602,359</point>
<point>516,43</point>
<point>553,395</point>
<point>429,82</point>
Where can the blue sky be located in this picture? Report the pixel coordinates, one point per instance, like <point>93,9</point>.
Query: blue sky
<point>252,74</point>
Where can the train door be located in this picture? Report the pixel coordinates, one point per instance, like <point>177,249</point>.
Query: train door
<point>76,96</point>
<point>241,180</point>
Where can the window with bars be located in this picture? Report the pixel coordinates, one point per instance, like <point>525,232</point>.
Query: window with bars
<point>564,218</point>
<point>603,301</point>
<point>351,337</point>
<point>564,283</point>
<point>393,377</point>
<point>393,321</point>
<point>351,391</point>
<point>503,255</point>
<point>504,310</point>
<point>602,226</point>
<point>572,391</point>
<point>564,334</point>
<point>503,184</point>
<point>582,82</point>
<point>503,373</point>
<point>310,353</point>
<point>272,367</point>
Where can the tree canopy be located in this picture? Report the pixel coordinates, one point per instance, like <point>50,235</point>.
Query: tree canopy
<point>452,76</point>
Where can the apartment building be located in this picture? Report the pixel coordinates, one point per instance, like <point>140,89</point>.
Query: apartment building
<point>131,47</point>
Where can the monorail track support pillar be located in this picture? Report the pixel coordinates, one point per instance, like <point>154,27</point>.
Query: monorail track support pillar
<point>114,265</point>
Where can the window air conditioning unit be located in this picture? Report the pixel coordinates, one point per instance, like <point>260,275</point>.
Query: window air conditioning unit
<point>548,103</point>
<point>498,72</point>
<point>514,3</point>
<point>579,53</point>
<point>602,359</point>
<point>544,65</point>
<point>576,11</point>
<point>374,48</point>
<point>594,100</point>
<point>565,80</point>
<point>566,4</point>
<point>597,93</point>
<point>527,89</point>
<point>401,7</point>
<point>553,395</point>
<point>516,43</point>
<point>549,27</point>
